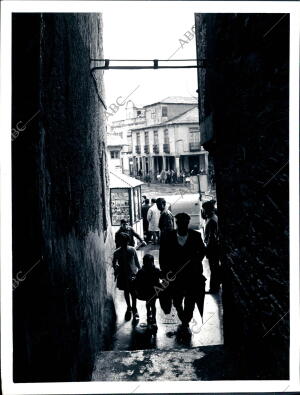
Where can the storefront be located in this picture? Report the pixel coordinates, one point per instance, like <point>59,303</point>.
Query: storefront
<point>125,201</point>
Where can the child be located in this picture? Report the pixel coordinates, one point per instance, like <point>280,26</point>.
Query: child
<point>146,280</point>
<point>126,265</point>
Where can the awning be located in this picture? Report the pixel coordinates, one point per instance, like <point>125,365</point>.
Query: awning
<point>120,180</point>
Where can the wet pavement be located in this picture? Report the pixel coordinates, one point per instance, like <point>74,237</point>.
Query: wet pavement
<point>137,336</point>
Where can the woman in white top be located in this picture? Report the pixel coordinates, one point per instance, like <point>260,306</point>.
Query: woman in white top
<point>153,219</point>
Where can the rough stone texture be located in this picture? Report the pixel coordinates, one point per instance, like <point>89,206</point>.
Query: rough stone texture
<point>200,363</point>
<point>244,101</point>
<point>63,310</point>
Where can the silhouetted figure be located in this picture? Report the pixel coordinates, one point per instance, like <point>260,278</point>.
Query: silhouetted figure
<point>125,228</point>
<point>166,220</point>
<point>211,239</point>
<point>146,280</point>
<point>145,208</point>
<point>126,265</point>
<point>181,255</point>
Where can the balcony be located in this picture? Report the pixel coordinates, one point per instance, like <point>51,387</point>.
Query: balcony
<point>166,148</point>
<point>195,147</point>
<point>146,149</point>
<point>155,148</point>
<point>138,149</point>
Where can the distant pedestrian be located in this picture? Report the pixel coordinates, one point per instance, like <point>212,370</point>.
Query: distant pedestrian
<point>163,176</point>
<point>148,179</point>
<point>126,266</point>
<point>168,175</point>
<point>195,170</point>
<point>146,280</point>
<point>166,219</point>
<point>211,239</point>
<point>174,179</point>
<point>125,228</point>
<point>145,208</point>
<point>153,219</point>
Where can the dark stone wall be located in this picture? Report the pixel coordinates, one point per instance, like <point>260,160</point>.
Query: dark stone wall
<point>63,308</point>
<point>244,102</point>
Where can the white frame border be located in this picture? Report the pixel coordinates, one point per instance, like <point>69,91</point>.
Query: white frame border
<point>8,7</point>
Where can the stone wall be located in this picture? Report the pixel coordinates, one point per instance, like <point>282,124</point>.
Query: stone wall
<point>63,309</point>
<point>244,102</point>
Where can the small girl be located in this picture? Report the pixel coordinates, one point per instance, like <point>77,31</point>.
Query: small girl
<point>126,265</point>
<point>146,280</point>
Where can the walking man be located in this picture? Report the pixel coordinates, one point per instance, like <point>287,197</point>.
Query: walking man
<point>211,239</point>
<point>166,219</point>
<point>145,208</point>
<point>153,220</point>
<point>181,255</point>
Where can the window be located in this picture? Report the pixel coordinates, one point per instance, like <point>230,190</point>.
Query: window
<point>166,136</point>
<point>129,140</point>
<point>115,154</point>
<point>153,113</point>
<point>139,112</point>
<point>164,111</point>
<point>146,138</point>
<point>194,138</point>
<point>138,138</point>
<point>156,141</point>
<point>194,135</point>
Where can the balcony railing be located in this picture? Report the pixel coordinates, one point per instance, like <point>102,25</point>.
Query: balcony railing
<point>138,149</point>
<point>146,149</point>
<point>166,148</point>
<point>195,146</point>
<point>156,148</point>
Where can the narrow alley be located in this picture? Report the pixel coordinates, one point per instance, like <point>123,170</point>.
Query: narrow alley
<point>79,176</point>
<point>163,346</point>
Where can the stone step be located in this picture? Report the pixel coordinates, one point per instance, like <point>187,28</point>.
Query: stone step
<point>199,363</point>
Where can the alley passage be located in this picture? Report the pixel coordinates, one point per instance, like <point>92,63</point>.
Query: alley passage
<point>135,354</point>
<point>130,337</point>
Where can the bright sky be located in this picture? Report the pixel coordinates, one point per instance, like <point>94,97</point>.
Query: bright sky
<point>149,34</point>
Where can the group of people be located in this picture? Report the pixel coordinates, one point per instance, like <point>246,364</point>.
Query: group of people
<point>170,176</point>
<point>151,215</point>
<point>179,280</point>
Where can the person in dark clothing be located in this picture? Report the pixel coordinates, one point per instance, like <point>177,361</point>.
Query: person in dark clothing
<point>211,239</point>
<point>166,219</point>
<point>126,265</point>
<point>145,208</point>
<point>125,228</point>
<point>146,280</point>
<point>181,255</point>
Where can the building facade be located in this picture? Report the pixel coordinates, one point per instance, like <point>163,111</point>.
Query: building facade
<point>169,141</point>
<point>163,135</point>
<point>135,117</point>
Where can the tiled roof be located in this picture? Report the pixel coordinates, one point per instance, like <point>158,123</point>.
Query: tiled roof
<point>189,116</point>
<point>176,100</point>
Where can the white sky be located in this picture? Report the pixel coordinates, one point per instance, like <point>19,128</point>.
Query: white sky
<point>148,34</point>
